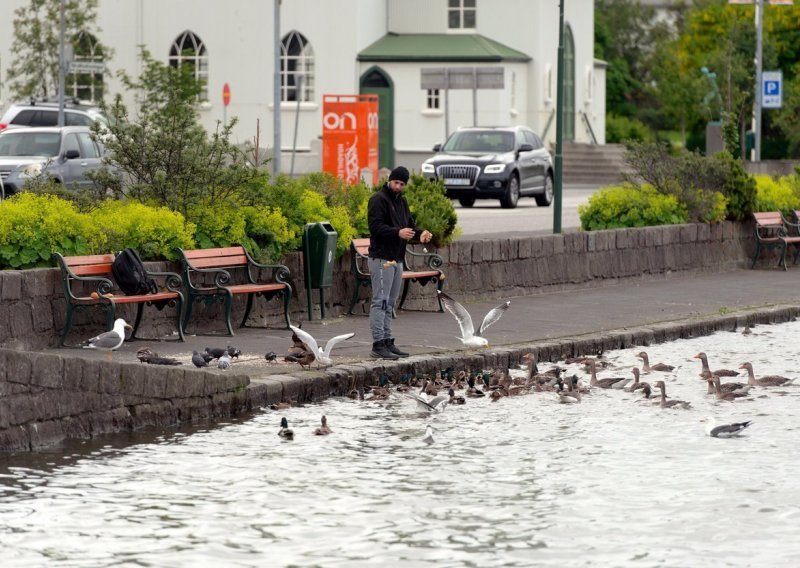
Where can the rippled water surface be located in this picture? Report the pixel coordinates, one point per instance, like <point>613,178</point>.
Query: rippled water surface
<point>525,481</point>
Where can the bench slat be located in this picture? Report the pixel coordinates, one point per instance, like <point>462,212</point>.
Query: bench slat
<point>219,262</point>
<point>213,252</point>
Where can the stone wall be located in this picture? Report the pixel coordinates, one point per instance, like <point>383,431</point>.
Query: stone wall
<point>32,307</point>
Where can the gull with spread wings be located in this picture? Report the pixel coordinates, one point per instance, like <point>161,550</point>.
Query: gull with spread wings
<point>322,356</point>
<point>469,336</point>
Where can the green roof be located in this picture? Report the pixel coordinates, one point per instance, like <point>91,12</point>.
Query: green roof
<point>439,47</point>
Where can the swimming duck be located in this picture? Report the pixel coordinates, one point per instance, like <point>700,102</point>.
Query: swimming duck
<point>706,372</point>
<point>722,395</point>
<point>647,367</point>
<point>768,381</point>
<point>283,405</point>
<point>455,399</point>
<point>323,430</point>
<point>472,390</point>
<point>670,403</point>
<point>609,383</point>
<point>285,431</point>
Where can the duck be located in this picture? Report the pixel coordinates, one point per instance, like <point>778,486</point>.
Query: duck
<point>455,399</point>
<point>722,395</point>
<point>472,390</point>
<point>569,396</point>
<point>283,405</point>
<point>647,367</point>
<point>609,383</point>
<point>324,429</point>
<point>725,430</point>
<point>768,381</point>
<point>706,372</point>
<point>636,385</point>
<point>672,403</point>
<point>285,432</point>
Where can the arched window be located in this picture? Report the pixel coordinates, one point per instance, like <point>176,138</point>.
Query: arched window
<point>188,49</point>
<point>297,68</point>
<point>86,86</point>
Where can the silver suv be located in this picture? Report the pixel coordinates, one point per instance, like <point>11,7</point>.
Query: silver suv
<point>38,113</point>
<point>66,154</point>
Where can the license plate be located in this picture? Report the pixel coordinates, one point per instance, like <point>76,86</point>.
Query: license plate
<point>457,181</point>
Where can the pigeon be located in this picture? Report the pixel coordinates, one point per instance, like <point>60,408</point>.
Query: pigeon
<point>224,362</point>
<point>216,352</point>
<point>109,340</point>
<point>234,352</point>
<point>271,356</point>
<point>199,360</point>
<point>725,430</point>
<point>469,337</point>
<point>322,356</point>
<point>285,431</point>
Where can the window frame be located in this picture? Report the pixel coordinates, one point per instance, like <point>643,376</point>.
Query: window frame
<point>462,9</point>
<point>297,59</point>
<point>196,55</point>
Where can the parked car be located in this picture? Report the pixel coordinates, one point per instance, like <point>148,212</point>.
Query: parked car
<point>66,154</point>
<point>503,163</point>
<point>38,113</point>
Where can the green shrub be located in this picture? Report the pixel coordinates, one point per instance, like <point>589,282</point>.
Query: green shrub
<point>627,205</point>
<point>431,209</point>
<point>153,231</point>
<point>268,233</point>
<point>776,194</point>
<point>314,209</point>
<point>739,189</point>
<point>32,227</point>
<point>339,193</point>
<point>621,129</point>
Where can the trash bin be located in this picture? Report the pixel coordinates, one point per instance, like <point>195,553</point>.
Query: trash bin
<point>319,250</point>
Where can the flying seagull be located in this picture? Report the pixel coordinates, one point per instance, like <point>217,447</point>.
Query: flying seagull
<point>322,356</point>
<point>469,336</point>
<point>725,430</point>
<point>110,340</point>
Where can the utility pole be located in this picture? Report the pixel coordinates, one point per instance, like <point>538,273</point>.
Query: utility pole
<point>276,95</point>
<point>62,64</point>
<point>559,182</point>
<point>756,155</point>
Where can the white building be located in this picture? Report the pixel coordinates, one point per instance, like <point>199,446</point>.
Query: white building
<point>361,46</point>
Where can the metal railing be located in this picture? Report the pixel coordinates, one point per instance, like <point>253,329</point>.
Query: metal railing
<point>588,126</point>
<point>548,124</point>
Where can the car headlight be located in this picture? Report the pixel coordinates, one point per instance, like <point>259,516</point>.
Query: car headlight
<point>428,169</point>
<point>31,170</point>
<point>494,169</point>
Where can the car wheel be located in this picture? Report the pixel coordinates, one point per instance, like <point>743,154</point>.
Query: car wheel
<point>467,201</point>
<point>509,201</point>
<point>545,199</point>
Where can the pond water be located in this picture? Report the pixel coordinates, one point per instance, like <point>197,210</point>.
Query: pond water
<point>525,481</point>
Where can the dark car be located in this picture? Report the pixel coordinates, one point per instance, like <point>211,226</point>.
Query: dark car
<point>503,163</point>
<point>66,154</point>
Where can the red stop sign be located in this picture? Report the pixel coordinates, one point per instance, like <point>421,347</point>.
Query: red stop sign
<point>226,94</point>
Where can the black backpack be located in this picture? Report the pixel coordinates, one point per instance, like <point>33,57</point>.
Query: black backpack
<point>130,274</point>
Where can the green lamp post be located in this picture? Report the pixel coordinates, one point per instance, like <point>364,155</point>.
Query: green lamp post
<point>559,159</point>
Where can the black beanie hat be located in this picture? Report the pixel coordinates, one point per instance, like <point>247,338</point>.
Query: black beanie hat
<point>399,173</point>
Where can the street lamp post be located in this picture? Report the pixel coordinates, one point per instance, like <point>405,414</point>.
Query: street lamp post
<point>62,67</point>
<point>559,182</point>
<point>276,94</point>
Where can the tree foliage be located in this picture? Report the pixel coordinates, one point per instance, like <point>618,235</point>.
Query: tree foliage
<point>34,68</point>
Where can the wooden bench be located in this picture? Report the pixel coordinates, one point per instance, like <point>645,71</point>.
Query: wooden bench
<point>207,278</point>
<point>772,231</point>
<point>88,284</point>
<point>418,267</point>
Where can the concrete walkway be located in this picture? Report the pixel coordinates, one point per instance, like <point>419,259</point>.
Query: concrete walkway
<point>531,320</point>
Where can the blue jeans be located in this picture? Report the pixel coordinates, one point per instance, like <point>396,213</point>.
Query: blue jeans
<point>386,282</point>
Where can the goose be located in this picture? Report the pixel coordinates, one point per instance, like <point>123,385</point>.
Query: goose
<point>647,367</point>
<point>727,387</point>
<point>322,355</point>
<point>569,396</point>
<point>636,385</point>
<point>722,395</point>
<point>768,381</point>
<point>323,430</point>
<point>706,372</point>
<point>609,383</point>
<point>725,430</point>
<point>470,337</point>
<point>285,432</point>
<point>670,403</point>
<point>109,340</point>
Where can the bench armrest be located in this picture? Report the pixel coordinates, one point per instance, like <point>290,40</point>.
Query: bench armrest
<point>795,226</point>
<point>767,231</point>
<point>172,281</point>
<point>280,273</point>
<point>433,260</point>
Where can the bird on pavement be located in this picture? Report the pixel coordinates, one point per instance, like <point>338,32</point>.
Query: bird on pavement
<point>470,337</point>
<point>234,352</point>
<point>224,362</point>
<point>271,356</point>
<point>199,360</point>
<point>146,355</point>
<point>322,356</point>
<point>109,340</point>
<point>216,352</point>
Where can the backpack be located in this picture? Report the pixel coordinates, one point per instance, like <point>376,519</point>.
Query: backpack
<point>130,274</point>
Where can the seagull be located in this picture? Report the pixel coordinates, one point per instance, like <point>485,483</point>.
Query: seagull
<point>322,356</point>
<point>428,438</point>
<point>224,362</point>
<point>199,360</point>
<point>424,404</point>
<point>469,336</point>
<point>725,430</point>
<point>110,340</point>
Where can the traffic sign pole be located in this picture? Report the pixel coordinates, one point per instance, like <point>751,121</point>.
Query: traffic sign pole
<point>756,156</point>
<point>226,100</point>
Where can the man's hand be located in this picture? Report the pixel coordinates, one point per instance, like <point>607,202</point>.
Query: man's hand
<point>406,233</point>
<point>425,237</point>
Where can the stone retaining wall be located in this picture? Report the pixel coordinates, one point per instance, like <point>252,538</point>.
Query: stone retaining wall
<point>32,307</point>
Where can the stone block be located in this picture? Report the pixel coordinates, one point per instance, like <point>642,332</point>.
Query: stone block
<point>15,439</point>
<point>464,252</point>
<point>524,248</point>
<point>43,317</point>
<point>175,384</point>
<point>47,370</point>
<point>548,246</point>
<point>21,320</point>
<point>154,386</point>
<point>689,233</point>
<point>44,434</point>
<point>558,244</point>
<point>76,427</point>
<point>537,247</point>
<point>111,421</point>
<point>12,285</point>
<point>132,378</point>
<point>18,367</point>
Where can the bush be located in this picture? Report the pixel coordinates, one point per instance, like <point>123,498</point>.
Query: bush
<point>627,205</point>
<point>621,129</point>
<point>431,209</point>
<point>339,193</point>
<point>32,227</point>
<point>739,188</point>
<point>776,194</point>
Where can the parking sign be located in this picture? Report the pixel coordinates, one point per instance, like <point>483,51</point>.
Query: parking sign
<point>771,89</point>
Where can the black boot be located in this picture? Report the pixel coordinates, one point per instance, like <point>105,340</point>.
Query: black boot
<point>380,351</point>
<point>391,347</point>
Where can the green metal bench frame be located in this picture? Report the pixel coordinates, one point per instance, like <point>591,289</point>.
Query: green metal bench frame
<point>771,231</point>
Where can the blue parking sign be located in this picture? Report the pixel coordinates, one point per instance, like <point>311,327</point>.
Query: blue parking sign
<point>771,89</point>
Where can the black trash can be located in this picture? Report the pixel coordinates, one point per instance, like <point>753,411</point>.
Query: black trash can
<point>319,250</point>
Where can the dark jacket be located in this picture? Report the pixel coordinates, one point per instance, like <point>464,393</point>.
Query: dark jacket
<point>387,213</point>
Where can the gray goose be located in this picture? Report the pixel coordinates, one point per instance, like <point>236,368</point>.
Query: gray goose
<point>609,383</point>
<point>672,403</point>
<point>636,385</point>
<point>647,367</point>
<point>727,387</point>
<point>768,381</point>
<point>707,372</point>
<point>722,395</point>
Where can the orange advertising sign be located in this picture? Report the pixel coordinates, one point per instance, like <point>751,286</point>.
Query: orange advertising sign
<point>350,136</point>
